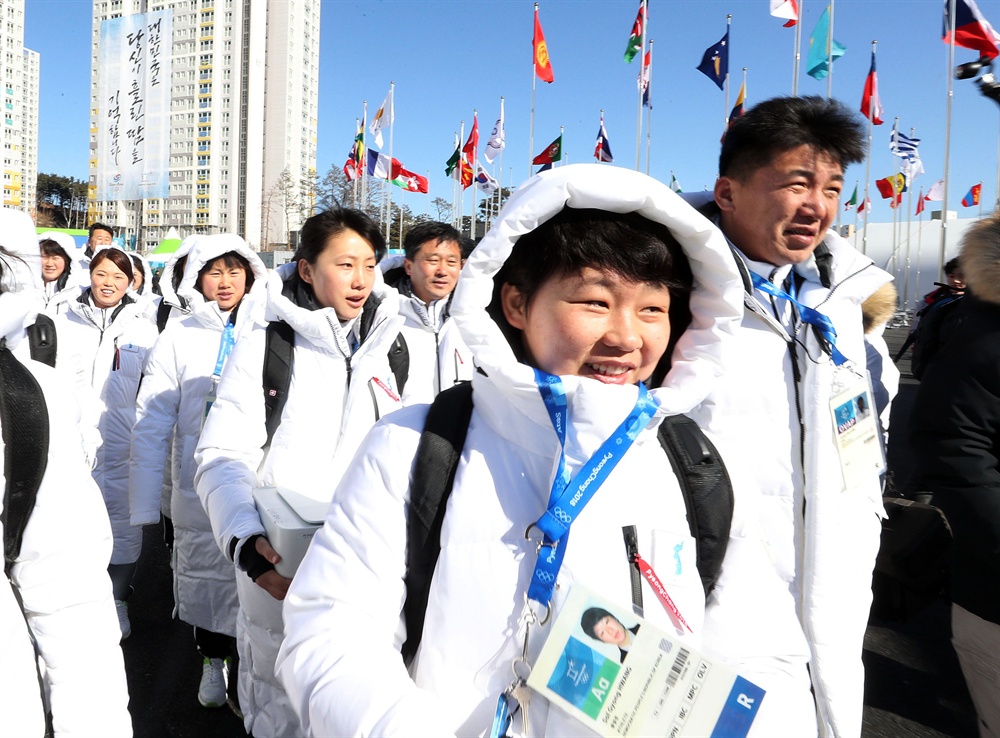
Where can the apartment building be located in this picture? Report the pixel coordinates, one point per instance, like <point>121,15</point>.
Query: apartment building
<point>20,110</point>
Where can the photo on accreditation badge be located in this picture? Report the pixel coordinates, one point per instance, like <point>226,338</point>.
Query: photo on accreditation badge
<point>621,676</point>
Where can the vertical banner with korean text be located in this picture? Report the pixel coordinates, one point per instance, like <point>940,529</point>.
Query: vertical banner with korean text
<point>133,119</point>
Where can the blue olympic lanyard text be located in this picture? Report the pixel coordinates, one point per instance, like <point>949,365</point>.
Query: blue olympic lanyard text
<point>569,496</point>
<point>225,348</point>
<point>808,315</point>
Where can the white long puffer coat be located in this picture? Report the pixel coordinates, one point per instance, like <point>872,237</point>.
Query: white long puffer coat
<point>822,540</point>
<point>340,661</point>
<point>61,578</point>
<point>334,399</point>
<point>106,360</point>
<point>177,380</point>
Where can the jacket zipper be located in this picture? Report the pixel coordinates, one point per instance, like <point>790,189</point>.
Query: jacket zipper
<point>437,362</point>
<point>631,537</point>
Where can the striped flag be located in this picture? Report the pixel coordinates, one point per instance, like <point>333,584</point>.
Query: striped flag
<point>602,151</point>
<point>902,145</point>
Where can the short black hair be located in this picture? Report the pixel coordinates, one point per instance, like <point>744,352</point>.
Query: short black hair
<point>99,227</point>
<point>627,244</point>
<point>429,230</point>
<point>591,617</point>
<point>952,266</point>
<point>318,229</point>
<point>784,123</point>
<point>232,260</point>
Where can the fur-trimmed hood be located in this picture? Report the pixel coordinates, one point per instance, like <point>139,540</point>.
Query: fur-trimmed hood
<point>980,259</point>
<point>879,307</point>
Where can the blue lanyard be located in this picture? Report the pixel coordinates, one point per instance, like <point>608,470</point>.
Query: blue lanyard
<point>808,315</point>
<point>569,496</point>
<point>225,348</point>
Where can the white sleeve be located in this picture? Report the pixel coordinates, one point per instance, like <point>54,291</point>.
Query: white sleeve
<point>61,575</point>
<point>230,447</point>
<point>156,415</point>
<point>340,662</point>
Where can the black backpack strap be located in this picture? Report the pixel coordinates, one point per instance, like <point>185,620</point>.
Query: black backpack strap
<point>162,313</point>
<point>279,350</point>
<point>25,421</point>
<point>42,340</point>
<point>399,362</point>
<point>707,489</point>
<point>431,481</point>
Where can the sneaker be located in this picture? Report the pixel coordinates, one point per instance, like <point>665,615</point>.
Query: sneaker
<point>212,690</point>
<point>122,607</point>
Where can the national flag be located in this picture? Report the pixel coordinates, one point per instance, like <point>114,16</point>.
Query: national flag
<point>891,187</point>
<point>871,103</point>
<point>410,181</point>
<point>902,145</point>
<point>645,78</point>
<point>381,166</point>
<point>936,192</point>
<point>674,184</point>
<point>602,151</point>
<point>485,182</point>
<point>865,207</point>
<point>853,201</point>
<point>920,203</point>
<point>543,65</point>
<point>972,30</point>
<point>737,110</point>
<point>972,196</point>
<point>715,62</point>
<point>497,139</point>
<point>472,142</point>
<point>552,153</point>
<point>788,9</point>
<point>635,39</point>
<point>912,167</point>
<point>383,119</point>
<point>822,48</point>
<point>544,168</point>
<point>463,173</point>
<point>454,158</point>
<point>351,168</point>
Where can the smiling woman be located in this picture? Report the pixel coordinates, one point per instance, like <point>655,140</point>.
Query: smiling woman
<point>111,274</point>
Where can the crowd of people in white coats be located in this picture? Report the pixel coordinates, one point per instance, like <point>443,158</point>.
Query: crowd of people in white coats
<point>600,306</point>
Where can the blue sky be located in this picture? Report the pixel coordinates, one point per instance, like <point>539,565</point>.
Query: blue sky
<point>448,57</point>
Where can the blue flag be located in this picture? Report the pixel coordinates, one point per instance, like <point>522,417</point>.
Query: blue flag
<point>820,42</point>
<point>715,62</point>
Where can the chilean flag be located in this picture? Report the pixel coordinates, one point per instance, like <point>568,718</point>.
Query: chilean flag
<point>972,30</point>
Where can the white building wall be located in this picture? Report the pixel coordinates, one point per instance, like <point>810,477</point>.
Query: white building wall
<point>19,88</point>
<point>223,55</point>
<point>29,132</point>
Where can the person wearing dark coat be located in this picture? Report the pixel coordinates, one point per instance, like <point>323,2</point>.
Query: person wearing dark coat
<point>956,439</point>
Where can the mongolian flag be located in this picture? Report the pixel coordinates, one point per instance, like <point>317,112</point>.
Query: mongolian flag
<point>543,65</point>
<point>971,198</point>
<point>715,62</point>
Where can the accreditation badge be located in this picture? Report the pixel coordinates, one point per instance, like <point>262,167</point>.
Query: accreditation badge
<point>856,429</point>
<point>648,682</point>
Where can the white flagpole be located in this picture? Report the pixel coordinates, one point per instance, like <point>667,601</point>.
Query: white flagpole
<point>531,128</point>
<point>829,55</point>
<point>947,135</point>
<point>725,112</point>
<point>916,287</point>
<point>364,164</point>
<point>854,207</point>
<point>980,199</point>
<point>649,108</point>
<point>563,158</point>
<point>460,189</point>
<point>868,166</point>
<point>503,137</point>
<point>642,61</point>
<point>357,125</point>
<point>402,190</point>
<point>475,170</point>
<point>455,217</point>
<point>388,180</point>
<point>797,54</point>
<point>909,231</point>
<point>428,210</point>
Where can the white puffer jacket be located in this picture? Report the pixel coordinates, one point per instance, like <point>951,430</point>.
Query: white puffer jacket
<point>822,539</point>
<point>439,358</point>
<point>340,661</point>
<point>177,380</point>
<point>106,352</point>
<point>77,276</point>
<point>334,399</point>
<point>61,578</point>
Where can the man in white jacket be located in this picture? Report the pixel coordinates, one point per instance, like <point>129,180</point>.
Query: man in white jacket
<point>439,358</point>
<point>781,172</point>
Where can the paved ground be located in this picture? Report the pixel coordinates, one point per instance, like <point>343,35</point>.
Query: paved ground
<point>913,685</point>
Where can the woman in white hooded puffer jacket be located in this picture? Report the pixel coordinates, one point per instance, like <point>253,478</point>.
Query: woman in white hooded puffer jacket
<point>182,371</point>
<point>103,341</point>
<point>340,660</point>
<point>344,321</point>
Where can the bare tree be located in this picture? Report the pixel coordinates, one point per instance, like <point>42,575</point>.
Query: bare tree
<point>443,208</point>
